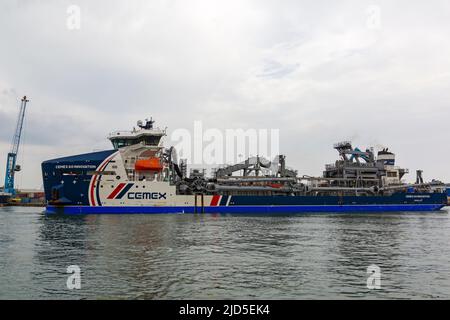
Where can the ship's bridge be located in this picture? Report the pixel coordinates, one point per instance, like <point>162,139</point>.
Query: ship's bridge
<point>146,135</point>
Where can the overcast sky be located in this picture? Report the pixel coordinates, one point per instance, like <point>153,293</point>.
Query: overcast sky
<point>320,71</point>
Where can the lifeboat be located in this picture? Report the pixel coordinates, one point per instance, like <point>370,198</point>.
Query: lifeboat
<point>153,164</point>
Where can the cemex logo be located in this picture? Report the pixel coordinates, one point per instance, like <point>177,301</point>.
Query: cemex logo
<point>123,188</point>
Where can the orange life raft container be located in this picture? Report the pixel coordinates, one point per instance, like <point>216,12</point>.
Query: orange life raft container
<point>153,164</point>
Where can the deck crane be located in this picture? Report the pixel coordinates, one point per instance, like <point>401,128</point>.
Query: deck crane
<point>11,166</point>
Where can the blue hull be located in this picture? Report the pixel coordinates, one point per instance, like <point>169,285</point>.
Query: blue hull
<point>4,199</point>
<point>244,209</point>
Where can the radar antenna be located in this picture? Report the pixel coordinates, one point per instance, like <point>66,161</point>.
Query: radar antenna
<point>148,124</point>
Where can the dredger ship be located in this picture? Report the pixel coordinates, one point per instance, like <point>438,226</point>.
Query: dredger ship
<point>139,175</point>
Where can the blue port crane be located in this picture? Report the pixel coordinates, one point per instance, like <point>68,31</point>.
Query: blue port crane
<point>11,166</point>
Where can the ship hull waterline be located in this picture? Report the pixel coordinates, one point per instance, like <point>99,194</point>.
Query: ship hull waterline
<point>301,209</point>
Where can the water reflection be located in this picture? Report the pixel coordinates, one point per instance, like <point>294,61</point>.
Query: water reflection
<point>226,256</point>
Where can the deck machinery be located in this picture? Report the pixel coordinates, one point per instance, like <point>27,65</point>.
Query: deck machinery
<point>362,169</point>
<point>355,173</point>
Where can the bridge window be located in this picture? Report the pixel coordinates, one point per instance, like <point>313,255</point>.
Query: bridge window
<point>392,174</point>
<point>146,140</point>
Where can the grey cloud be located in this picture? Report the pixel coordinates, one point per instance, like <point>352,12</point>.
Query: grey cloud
<point>312,69</point>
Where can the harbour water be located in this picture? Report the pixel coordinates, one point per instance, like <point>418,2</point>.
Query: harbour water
<point>223,256</point>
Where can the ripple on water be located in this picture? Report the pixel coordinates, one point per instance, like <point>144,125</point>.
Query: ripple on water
<point>223,256</point>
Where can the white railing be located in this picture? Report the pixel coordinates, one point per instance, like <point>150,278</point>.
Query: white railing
<point>122,133</point>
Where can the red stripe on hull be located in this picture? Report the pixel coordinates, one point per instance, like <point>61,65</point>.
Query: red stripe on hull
<point>215,200</point>
<point>116,191</point>
<point>92,190</point>
<point>94,179</point>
